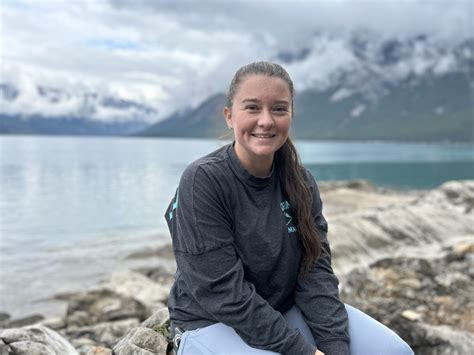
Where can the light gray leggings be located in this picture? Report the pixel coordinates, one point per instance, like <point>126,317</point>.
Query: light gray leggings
<point>368,337</point>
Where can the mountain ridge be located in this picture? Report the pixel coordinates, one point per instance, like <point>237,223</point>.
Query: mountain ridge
<point>411,112</point>
<point>380,88</point>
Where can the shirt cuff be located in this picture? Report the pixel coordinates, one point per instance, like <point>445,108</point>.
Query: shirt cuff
<point>334,347</point>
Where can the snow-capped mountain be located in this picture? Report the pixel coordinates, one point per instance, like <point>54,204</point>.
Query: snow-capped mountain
<point>60,112</point>
<point>358,86</point>
<point>369,64</point>
<point>366,87</point>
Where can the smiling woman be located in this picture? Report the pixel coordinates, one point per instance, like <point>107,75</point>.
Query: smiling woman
<point>254,264</point>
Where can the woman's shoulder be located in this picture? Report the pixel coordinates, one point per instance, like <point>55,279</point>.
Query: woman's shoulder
<point>212,165</point>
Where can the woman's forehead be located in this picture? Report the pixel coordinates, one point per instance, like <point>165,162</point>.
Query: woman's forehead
<point>258,87</point>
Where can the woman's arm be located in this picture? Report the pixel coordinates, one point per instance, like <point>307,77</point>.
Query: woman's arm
<point>317,294</point>
<point>202,235</point>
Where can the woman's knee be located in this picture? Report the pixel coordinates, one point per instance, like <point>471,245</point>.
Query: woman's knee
<point>369,336</point>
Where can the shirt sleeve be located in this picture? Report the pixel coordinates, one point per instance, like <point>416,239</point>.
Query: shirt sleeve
<point>202,236</point>
<point>317,293</point>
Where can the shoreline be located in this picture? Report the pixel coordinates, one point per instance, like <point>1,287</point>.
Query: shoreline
<point>339,197</point>
<point>329,140</point>
<point>417,246</point>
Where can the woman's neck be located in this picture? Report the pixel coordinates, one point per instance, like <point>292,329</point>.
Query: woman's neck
<point>255,165</point>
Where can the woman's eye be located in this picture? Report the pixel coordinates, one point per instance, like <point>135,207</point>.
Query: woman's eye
<point>280,109</point>
<point>251,107</point>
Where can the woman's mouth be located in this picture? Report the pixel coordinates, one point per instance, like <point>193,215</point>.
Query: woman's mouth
<point>263,135</point>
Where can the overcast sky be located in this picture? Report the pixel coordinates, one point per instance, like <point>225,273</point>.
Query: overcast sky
<point>170,54</point>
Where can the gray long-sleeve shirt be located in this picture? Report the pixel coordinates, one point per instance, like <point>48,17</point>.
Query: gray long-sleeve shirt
<point>238,258</point>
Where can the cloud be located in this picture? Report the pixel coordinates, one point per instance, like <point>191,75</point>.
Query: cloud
<point>171,54</point>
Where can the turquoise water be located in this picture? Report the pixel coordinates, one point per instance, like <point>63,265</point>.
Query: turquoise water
<point>71,208</point>
<point>397,175</point>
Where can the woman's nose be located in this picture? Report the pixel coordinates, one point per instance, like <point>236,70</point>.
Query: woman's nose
<point>265,118</point>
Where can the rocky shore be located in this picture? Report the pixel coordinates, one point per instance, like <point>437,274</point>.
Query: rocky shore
<point>407,259</point>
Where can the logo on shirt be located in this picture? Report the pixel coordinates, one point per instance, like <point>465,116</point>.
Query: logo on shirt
<point>285,208</point>
<point>173,207</point>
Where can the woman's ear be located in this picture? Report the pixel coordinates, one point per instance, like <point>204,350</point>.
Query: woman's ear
<point>228,117</point>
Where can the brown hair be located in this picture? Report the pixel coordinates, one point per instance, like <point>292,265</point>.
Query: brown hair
<point>289,168</point>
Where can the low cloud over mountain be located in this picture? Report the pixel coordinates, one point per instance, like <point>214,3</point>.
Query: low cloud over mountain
<point>142,61</point>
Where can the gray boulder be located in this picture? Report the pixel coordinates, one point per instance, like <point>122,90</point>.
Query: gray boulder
<point>398,224</point>
<point>142,341</point>
<point>99,306</point>
<point>151,337</point>
<point>102,334</point>
<point>135,285</point>
<point>35,340</point>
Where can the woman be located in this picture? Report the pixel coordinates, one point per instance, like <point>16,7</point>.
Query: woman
<point>254,265</point>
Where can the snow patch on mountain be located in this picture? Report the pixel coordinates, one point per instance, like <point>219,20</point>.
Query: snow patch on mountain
<point>369,64</point>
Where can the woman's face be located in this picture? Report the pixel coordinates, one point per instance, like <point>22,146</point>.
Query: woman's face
<point>260,117</point>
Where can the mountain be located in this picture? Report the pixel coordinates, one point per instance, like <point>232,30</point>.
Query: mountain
<point>411,90</point>
<point>358,86</point>
<point>205,121</point>
<point>428,109</point>
<point>124,116</point>
<point>13,124</point>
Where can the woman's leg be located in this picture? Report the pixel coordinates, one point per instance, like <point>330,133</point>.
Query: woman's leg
<point>367,335</point>
<point>371,337</point>
<point>216,339</point>
<point>222,339</point>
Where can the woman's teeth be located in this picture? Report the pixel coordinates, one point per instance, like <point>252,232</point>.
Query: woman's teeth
<point>263,135</point>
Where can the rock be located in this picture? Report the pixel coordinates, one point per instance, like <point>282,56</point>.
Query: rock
<point>54,323</point>
<point>4,319</point>
<point>160,275</point>
<point>4,348</point>
<point>102,306</point>
<point>411,282</point>
<point>98,350</point>
<point>36,340</point>
<point>156,340</point>
<point>137,286</point>
<point>142,341</point>
<point>458,194</point>
<point>78,318</point>
<point>164,252</point>
<point>427,301</point>
<point>159,318</point>
<point>21,322</point>
<point>160,322</point>
<point>411,315</point>
<point>104,334</point>
<point>464,248</point>
<point>396,225</point>
<point>83,345</point>
<point>443,340</point>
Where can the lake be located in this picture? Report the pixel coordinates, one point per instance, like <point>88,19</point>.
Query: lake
<point>72,208</point>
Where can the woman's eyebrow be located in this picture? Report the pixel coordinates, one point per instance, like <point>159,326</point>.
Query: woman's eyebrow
<point>282,102</point>
<point>257,101</point>
<point>250,100</point>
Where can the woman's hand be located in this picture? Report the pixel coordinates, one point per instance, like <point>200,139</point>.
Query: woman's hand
<point>318,353</point>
